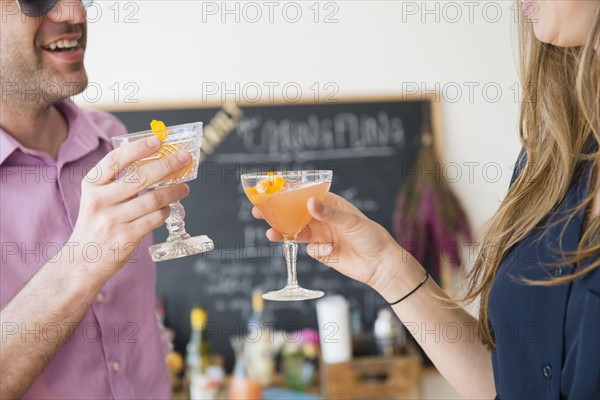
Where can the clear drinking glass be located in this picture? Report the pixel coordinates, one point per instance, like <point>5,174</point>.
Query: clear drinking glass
<point>187,137</point>
<point>281,198</point>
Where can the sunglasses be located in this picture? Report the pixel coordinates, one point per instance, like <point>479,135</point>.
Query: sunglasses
<point>38,8</point>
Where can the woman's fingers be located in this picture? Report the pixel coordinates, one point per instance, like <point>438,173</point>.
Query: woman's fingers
<point>320,251</point>
<point>338,201</point>
<point>273,235</point>
<point>342,219</point>
<point>303,237</point>
<point>256,213</point>
<point>331,199</point>
<point>334,211</point>
<point>315,231</point>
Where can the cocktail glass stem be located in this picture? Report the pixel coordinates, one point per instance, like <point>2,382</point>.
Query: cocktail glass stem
<point>290,252</point>
<point>292,291</point>
<point>175,223</point>
<point>179,243</point>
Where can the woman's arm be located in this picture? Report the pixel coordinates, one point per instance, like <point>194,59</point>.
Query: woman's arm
<point>343,238</point>
<point>448,336</point>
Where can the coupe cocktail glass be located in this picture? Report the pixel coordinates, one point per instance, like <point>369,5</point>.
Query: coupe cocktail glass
<point>187,137</point>
<point>281,198</point>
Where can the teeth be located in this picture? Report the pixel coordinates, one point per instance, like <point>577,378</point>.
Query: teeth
<point>62,44</point>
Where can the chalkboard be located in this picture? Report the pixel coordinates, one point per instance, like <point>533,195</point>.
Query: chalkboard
<point>371,146</point>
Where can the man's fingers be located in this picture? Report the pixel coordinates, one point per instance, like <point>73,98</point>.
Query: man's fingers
<point>149,222</point>
<point>109,168</point>
<point>148,174</point>
<point>151,201</point>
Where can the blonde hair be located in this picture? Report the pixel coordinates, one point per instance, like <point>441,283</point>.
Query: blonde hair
<point>559,121</point>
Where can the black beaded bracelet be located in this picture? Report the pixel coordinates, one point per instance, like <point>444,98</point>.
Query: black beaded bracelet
<point>412,291</point>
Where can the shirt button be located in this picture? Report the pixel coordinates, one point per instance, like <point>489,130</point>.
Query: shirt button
<point>116,366</point>
<point>547,371</point>
<point>100,297</point>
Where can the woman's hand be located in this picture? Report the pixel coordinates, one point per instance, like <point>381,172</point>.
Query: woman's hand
<point>342,237</point>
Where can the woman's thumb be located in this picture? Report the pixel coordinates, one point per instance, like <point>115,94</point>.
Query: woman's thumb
<point>327,213</point>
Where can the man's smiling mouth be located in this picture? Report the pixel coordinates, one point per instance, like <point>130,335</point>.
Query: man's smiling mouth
<point>62,45</point>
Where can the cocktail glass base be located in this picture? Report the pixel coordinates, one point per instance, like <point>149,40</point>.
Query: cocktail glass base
<point>181,248</point>
<point>292,293</point>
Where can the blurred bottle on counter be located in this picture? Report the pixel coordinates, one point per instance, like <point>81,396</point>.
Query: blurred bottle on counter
<point>202,384</point>
<point>242,385</point>
<point>258,346</point>
<point>389,333</point>
<point>362,341</point>
<point>356,325</point>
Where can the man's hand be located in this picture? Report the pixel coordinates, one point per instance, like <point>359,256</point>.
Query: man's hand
<point>113,216</point>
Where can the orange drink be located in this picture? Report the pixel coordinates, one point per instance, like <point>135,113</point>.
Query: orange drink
<point>286,210</point>
<point>281,197</point>
<point>188,173</point>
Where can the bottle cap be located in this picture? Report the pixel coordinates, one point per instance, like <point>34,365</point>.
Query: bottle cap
<point>198,318</point>
<point>258,303</point>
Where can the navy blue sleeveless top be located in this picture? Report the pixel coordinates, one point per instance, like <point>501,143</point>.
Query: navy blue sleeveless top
<point>547,338</point>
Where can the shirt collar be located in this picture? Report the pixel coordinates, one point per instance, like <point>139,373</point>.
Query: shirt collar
<point>7,145</point>
<point>83,137</point>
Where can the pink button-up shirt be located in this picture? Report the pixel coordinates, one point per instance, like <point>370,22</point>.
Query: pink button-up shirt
<point>116,350</point>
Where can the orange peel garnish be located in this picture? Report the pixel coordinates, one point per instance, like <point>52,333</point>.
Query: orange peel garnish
<point>253,195</point>
<point>270,185</point>
<point>159,129</point>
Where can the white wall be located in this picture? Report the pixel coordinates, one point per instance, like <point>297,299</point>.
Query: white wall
<point>165,51</point>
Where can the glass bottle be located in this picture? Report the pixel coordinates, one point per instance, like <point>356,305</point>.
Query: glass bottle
<point>202,386</point>
<point>242,386</point>
<point>258,343</point>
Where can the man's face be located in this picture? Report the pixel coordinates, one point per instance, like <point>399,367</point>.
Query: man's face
<point>42,57</point>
